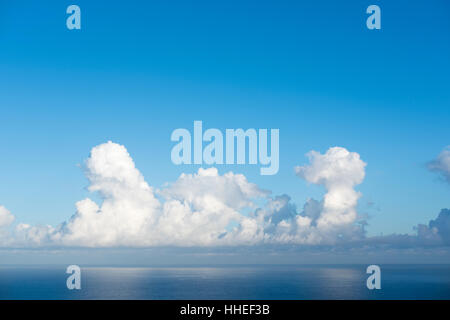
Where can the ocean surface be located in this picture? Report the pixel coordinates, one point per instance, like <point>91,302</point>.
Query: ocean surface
<point>227,282</point>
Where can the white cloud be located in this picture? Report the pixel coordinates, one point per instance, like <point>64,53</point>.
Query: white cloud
<point>128,209</point>
<point>196,211</point>
<point>6,218</point>
<point>204,208</point>
<point>199,208</point>
<point>339,171</point>
<point>442,164</point>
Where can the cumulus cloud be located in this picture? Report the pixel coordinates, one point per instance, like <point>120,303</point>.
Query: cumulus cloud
<point>329,221</point>
<point>437,230</point>
<point>128,207</point>
<point>6,218</point>
<point>200,208</point>
<point>208,209</point>
<point>442,164</point>
<point>197,209</point>
<point>339,171</point>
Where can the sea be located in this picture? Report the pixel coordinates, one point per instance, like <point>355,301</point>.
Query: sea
<point>238,282</point>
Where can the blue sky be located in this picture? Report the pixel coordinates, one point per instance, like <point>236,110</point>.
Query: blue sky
<point>138,70</point>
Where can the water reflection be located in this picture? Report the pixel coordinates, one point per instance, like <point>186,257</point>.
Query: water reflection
<point>249,282</point>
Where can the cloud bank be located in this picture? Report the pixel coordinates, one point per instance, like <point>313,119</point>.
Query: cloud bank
<point>206,209</point>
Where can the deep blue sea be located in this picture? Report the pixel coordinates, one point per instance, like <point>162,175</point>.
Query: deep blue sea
<point>227,282</point>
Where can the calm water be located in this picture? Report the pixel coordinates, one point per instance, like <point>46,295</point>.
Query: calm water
<point>246,282</point>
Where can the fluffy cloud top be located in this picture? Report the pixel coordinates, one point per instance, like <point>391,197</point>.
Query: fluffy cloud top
<point>128,207</point>
<point>201,209</point>
<point>6,218</point>
<point>196,210</point>
<point>206,208</point>
<point>339,171</point>
<point>442,164</point>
